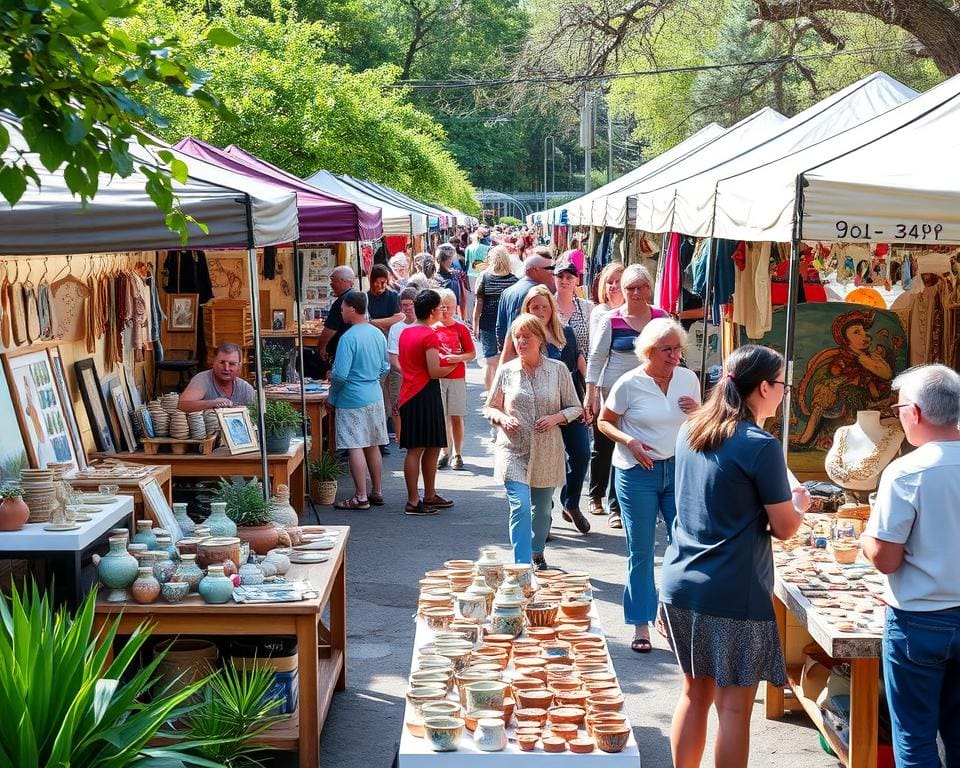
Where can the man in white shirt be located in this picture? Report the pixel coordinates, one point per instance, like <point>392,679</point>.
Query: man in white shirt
<point>913,536</point>
<point>395,377</point>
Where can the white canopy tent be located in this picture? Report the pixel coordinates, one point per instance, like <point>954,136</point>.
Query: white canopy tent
<point>396,220</point>
<point>238,211</point>
<point>692,200</point>
<point>763,204</point>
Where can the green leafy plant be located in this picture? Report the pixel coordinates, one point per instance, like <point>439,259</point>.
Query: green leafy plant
<point>10,491</point>
<point>273,357</point>
<point>62,702</point>
<point>279,417</point>
<point>245,503</point>
<point>329,466</point>
<point>235,709</point>
<point>12,465</point>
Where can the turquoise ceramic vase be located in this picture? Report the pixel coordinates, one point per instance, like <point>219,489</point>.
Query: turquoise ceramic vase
<point>216,587</point>
<point>187,526</point>
<point>145,535</point>
<point>218,522</point>
<point>117,570</point>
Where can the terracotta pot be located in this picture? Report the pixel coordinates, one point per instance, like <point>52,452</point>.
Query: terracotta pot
<point>14,514</point>
<point>216,549</point>
<point>261,538</point>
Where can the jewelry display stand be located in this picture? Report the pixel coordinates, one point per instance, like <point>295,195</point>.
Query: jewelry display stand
<point>860,452</point>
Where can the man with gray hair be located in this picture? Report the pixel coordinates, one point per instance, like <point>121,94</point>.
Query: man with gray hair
<point>537,270</point>
<point>341,283</point>
<point>913,536</point>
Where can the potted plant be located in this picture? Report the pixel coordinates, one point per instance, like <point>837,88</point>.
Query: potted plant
<point>324,472</point>
<point>247,507</point>
<point>14,511</point>
<point>280,422</point>
<point>273,358</point>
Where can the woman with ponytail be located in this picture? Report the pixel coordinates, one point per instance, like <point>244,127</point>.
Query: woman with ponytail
<point>732,493</point>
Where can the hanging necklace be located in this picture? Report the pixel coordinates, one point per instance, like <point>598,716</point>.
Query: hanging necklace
<point>863,469</point>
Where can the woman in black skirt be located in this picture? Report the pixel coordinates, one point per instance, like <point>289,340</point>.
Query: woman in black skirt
<point>420,405</point>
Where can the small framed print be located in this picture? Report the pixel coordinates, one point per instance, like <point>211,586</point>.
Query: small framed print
<point>96,405</point>
<point>182,311</point>
<point>119,401</point>
<point>279,319</point>
<point>237,430</point>
<point>157,507</point>
<point>56,363</point>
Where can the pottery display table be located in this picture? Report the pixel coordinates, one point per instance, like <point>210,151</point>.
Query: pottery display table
<point>285,468</point>
<point>317,411</point>
<point>416,753</point>
<point>64,550</point>
<point>132,487</point>
<point>800,623</point>
<point>321,649</point>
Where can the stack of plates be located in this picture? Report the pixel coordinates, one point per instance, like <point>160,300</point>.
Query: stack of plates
<point>170,402</point>
<point>211,421</point>
<point>198,428</point>
<point>161,419</point>
<point>179,429</point>
<point>39,493</point>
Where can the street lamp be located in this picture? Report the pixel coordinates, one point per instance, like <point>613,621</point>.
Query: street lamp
<point>554,146</point>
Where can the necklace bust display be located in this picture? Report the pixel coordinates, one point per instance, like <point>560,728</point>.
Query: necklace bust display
<point>861,451</point>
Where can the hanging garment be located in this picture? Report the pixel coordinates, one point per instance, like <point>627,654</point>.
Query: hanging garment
<point>19,319</point>
<point>752,307</point>
<point>45,310</point>
<point>269,270</point>
<point>668,286</point>
<point>32,312</point>
<point>69,300</point>
<point>140,335</point>
<point>188,272</point>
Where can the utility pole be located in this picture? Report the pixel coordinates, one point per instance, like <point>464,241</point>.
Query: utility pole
<point>587,136</point>
<point>609,146</point>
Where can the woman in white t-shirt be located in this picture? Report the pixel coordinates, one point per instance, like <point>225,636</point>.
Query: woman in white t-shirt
<point>642,416</point>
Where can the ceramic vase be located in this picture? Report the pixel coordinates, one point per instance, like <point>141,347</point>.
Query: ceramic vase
<point>165,544</point>
<point>507,618</point>
<point>164,567</point>
<point>281,511</point>
<point>471,606</point>
<point>216,587</point>
<point>14,513</point>
<point>117,569</point>
<point>251,574</point>
<point>187,526</point>
<point>145,534</point>
<point>490,567</point>
<point>480,587</point>
<point>218,523</point>
<point>490,735</point>
<point>146,588</point>
<point>189,571</point>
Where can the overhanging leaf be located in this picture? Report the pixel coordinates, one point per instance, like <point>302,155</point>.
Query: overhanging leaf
<point>223,37</point>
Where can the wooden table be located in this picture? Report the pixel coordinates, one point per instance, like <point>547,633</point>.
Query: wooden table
<point>321,650</point>
<point>64,550</point>
<point>133,486</point>
<point>318,412</point>
<point>799,624</point>
<point>285,468</point>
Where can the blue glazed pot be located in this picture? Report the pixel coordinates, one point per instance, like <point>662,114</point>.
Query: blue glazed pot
<point>216,587</point>
<point>218,522</point>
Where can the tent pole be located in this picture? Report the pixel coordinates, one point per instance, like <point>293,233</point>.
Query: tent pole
<point>297,290</point>
<point>793,290</point>
<point>707,301</point>
<point>258,367</point>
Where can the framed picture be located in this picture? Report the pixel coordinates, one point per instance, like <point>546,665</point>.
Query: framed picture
<point>56,363</point>
<point>13,453</point>
<point>279,319</point>
<point>119,402</point>
<point>136,399</point>
<point>39,407</point>
<point>182,311</point>
<point>237,430</point>
<point>96,406</point>
<point>157,507</point>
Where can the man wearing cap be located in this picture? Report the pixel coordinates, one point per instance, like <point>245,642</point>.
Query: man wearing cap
<point>537,270</point>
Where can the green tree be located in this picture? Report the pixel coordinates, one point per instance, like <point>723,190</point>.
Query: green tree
<point>78,83</point>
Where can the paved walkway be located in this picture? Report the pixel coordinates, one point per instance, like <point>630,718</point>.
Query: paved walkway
<point>389,552</point>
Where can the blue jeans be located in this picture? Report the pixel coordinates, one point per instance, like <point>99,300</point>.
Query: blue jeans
<point>643,494</point>
<point>529,518</point>
<point>921,670</point>
<point>576,441</point>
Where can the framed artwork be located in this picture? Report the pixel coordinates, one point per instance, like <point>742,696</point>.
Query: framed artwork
<point>119,402</point>
<point>56,363</point>
<point>96,406</point>
<point>237,430</point>
<point>39,407</point>
<point>158,508</point>
<point>182,311</point>
<point>136,399</point>
<point>13,453</point>
<point>279,319</point>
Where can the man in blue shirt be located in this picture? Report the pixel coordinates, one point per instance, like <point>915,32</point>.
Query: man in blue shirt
<point>538,270</point>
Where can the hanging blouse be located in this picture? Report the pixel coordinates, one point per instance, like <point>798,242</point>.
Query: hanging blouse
<point>45,310</point>
<point>32,313</point>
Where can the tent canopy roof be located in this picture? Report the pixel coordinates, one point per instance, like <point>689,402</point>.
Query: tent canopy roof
<point>122,217</point>
<point>396,219</point>
<point>323,218</point>
<point>383,192</point>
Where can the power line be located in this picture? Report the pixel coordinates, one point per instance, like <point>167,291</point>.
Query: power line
<point>572,79</point>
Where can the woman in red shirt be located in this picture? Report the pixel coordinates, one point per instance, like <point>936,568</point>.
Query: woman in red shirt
<point>420,405</point>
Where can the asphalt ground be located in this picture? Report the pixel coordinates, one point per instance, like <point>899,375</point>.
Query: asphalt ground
<point>388,553</point>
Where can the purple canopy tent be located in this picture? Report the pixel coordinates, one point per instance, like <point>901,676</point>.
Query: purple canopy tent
<point>323,217</point>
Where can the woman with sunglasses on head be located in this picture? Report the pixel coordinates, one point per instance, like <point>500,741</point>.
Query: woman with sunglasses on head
<point>642,415</point>
<point>733,493</point>
<point>611,356</point>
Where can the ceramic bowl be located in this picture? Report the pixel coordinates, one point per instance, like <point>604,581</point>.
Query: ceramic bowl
<point>564,685</point>
<point>549,574</point>
<point>565,731</point>
<point>575,698</point>
<point>532,714</point>
<point>524,665</point>
<point>441,709</point>
<point>538,698</point>
<point>431,678</point>
<point>541,614</point>
<point>611,738</point>
<point>499,639</point>
<point>422,695</point>
<point>526,684</point>
<point>468,629</point>
<point>571,715</point>
<point>459,565</point>
<point>509,705</point>
<point>554,649</point>
<point>485,695</point>
<point>581,746</point>
<point>604,702</point>
<point>527,742</point>
<point>437,618</point>
<point>604,718</point>
<point>415,727</point>
<point>175,591</point>
<point>471,718</point>
<point>554,744</point>
<point>526,652</point>
<point>577,624</point>
<point>541,633</point>
<point>443,733</point>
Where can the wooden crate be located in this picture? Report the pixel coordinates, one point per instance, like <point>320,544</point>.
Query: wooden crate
<point>153,445</point>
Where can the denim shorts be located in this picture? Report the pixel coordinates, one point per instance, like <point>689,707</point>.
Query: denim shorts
<point>488,343</point>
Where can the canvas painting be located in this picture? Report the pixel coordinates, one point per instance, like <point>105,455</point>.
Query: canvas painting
<point>845,359</point>
<point>119,401</point>
<point>58,373</point>
<point>156,504</point>
<point>13,453</point>
<point>89,383</point>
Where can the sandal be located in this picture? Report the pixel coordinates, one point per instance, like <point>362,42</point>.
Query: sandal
<point>418,509</point>
<point>614,520</point>
<point>354,503</point>
<point>375,498</point>
<point>641,645</point>
<point>438,501</point>
<point>596,507</point>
